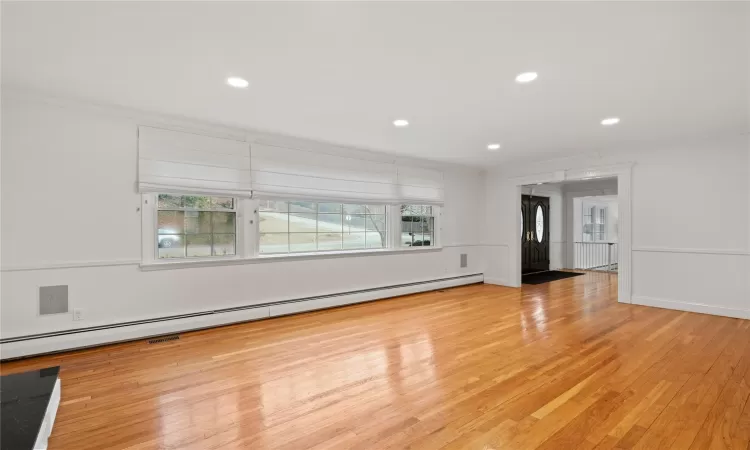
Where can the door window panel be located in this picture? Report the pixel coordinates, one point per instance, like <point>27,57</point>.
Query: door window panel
<point>539,223</point>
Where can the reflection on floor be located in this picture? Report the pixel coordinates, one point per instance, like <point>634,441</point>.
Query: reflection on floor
<point>560,365</point>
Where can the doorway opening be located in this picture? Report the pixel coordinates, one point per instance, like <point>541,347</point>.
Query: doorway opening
<point>568,226</point>
<point>535,234</point>
<point>595,233</point>
<point>562,249</point>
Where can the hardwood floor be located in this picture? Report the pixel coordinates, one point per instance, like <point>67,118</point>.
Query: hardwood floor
<point>554,366</point>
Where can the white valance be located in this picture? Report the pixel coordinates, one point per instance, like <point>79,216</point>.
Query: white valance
<point>178,162</point>
<point>286,173</point>
<point>420,186</point>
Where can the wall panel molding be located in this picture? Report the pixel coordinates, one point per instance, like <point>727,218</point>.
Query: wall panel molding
<point>70,265</point>
<point>695,251</point>
<point>227,262</point>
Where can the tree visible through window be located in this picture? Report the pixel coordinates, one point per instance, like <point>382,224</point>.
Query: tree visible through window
<point>417,225</point>
<point>301,226</point>
<point>191,226</point>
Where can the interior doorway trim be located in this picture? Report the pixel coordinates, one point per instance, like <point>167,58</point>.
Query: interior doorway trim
<point>623,173</point>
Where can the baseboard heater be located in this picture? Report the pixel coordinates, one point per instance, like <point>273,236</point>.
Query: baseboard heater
<point>23,346</point>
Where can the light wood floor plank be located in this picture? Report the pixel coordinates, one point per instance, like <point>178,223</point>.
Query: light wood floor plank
<point>560,365</point>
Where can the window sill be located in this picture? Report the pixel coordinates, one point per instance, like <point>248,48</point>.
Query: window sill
<point>169,265</point>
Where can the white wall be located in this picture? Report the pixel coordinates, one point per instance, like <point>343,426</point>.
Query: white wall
<point>690,225</point>
<point>70,216</point>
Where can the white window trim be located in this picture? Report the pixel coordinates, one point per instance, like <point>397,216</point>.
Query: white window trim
<point>248,235</point>
<point>437,215</point>
<point>596,209</point>
<point>264,259</point>
<point>149,224</point>
<point>388,235</point>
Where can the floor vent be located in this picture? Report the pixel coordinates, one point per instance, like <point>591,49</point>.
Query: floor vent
<point>163,339</point>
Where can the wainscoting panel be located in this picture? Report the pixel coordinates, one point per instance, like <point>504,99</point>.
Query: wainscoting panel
<point>707,282</point>
<point>88,337</point>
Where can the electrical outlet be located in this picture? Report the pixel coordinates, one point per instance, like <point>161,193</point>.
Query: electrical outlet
<point>77,314</point>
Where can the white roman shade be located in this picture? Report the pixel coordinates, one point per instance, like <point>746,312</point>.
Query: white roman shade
<point>286,173</point>
<point>177,162</point>
<point>420,186</point>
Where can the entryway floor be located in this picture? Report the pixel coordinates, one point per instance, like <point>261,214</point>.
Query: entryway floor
<point>546,277</point>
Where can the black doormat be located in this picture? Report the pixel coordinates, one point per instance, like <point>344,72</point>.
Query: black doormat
<point>546,277</point>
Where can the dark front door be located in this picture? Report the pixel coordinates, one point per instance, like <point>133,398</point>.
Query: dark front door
<point>535,234</point>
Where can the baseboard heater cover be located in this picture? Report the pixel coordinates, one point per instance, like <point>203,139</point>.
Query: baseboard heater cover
<point>23,346</point>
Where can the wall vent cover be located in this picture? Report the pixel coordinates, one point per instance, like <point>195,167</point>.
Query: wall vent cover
<point>53,300</point>
<point>174,337</point>
<point>464,260</point>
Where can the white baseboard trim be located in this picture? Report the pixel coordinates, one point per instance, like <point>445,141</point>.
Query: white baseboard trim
<point>93,338</point>
<point>496,281</point>
<point>691,307</point>
<point>73,339</point>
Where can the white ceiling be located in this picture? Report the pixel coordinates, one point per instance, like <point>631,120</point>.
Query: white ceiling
<point>342,72</point>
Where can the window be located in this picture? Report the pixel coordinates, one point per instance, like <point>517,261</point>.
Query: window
<point>194,226</point>
<point>417,225</point>
<point>539,223</point>
<point>594,224</point>
<point>294,226</point>
<point>601,224</point>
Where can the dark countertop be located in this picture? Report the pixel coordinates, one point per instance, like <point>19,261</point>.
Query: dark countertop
<point>23,399</point>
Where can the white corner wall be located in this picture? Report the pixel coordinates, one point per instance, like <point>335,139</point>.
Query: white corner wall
<point>70,216</point>
<point>690,222</point>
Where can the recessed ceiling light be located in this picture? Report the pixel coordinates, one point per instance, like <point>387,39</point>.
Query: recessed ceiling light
<point>526,77</point>
<point>237,82</point>
<point>539,184</point>
<point>493,147</point>
<point>611,121</point>
<point>401,122</point>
